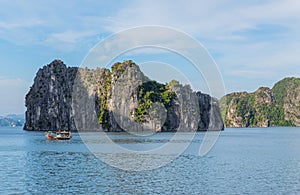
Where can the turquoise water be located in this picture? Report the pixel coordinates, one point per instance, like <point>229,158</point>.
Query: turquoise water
<point>243,161</point>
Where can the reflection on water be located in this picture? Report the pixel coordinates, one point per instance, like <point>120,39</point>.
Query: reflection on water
<point>244,161</point>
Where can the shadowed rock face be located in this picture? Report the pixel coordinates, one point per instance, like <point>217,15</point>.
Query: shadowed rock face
<point>123,99</point>
<point>49,99</point>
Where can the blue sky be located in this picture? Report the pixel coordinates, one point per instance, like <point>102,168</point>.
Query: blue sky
<point>254,43</point>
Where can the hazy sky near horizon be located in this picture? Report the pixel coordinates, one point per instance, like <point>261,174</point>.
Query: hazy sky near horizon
<point>254,43</point>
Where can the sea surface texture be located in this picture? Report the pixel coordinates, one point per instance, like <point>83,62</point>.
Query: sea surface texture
<point>243,161</point>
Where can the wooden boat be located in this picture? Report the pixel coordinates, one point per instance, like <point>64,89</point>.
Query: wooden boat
<point>59,135</point>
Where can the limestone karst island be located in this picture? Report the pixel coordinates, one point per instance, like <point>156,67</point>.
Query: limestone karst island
<point>124,99</point>
<point>278,106</point>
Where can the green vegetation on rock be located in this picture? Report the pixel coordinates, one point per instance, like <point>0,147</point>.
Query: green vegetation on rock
<point>119,68</point>
<point>148,93</point>
<point>104,96</point>
<point>281,88</point>
<point>265,107</point>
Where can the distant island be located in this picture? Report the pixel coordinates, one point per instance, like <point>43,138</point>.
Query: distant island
<point>279,106</point>
<point>119,99</point>
<point>12,120</point>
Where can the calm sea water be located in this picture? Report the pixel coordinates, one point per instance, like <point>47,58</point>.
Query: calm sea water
<point>243,161</point>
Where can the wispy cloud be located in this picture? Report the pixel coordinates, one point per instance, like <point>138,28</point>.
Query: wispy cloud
<point>205,18</point>
<point>251,39</point>
<point>62,26</point>
<point>68,40</point>
<point>12,82</point>
<point>243,36</point>
<point>32,22</point>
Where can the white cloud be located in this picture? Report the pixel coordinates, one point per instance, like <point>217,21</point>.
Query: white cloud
<point>20,23</point>
<point>69,36</point>
<point>53,24</point>
<point>213,19</point>
<point>144,38</point>
<point>68,40</point>
<point>234,31</point>
<point>254,39</point>
<point>8,82</point>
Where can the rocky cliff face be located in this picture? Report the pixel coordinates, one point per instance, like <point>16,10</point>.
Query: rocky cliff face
<point>123,99</point>
<point>287,94</point>
<point>279,106</point>
<point>49,99</point>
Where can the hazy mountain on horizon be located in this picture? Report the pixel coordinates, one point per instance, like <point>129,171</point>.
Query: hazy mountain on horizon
<point>12,120</point>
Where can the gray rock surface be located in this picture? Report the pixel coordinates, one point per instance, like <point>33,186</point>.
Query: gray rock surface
<point>49,99</point>
<point>103,100</point>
